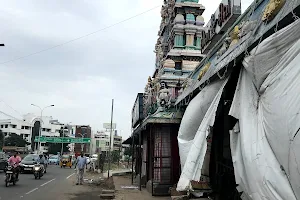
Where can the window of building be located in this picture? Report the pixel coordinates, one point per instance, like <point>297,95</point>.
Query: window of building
<point>178,65</point>
<point>97,143</point>
<point>1,126</point>
<point>14,126</point>
<point>6,125</point>
<point>107,143</point>
<point>22,127</point>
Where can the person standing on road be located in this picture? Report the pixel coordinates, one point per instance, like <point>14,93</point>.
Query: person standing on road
<point>81,162</point>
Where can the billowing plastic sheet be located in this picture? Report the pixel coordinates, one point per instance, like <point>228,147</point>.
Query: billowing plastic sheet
<point>193,117</point>
<point>194,129</point>
<point>265,144</point>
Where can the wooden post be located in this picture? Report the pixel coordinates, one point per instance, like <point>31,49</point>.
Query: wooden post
<point>140,159</point>
<point>132,159</point>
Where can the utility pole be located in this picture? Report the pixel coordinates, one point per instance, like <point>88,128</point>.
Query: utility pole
<point>110,136</point>
<point>63,136</point>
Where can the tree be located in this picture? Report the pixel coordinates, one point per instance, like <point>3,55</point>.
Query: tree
<point>15,140</point>
<point>128,151</point>
<point>115,156</point>
<point>1,139</point>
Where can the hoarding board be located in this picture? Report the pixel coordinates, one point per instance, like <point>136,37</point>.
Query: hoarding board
<point>224,17</point>
<point>107,125</point>
<point>137,110</point>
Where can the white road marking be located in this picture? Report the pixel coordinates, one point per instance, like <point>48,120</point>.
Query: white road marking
<point>48,182</point>
<point>70,176</point>
<point>32,191</point>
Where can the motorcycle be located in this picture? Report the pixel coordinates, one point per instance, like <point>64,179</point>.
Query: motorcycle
<point>38,171</point>
<point>10,176</point>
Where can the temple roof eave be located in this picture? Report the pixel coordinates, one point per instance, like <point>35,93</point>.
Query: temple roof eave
<point>200,7</point>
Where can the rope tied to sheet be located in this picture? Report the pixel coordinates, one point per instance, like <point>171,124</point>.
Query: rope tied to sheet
<point>224,75</point>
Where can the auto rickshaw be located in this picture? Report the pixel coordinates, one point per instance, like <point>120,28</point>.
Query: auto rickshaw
<point>65,161</point>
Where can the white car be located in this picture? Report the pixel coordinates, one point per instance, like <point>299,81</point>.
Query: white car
<point>88,160</point>
<point>94,157</point>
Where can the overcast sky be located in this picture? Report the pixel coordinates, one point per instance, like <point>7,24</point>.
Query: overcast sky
<point>81,77</point>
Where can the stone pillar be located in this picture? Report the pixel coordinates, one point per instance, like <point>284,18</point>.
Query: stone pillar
<point>190,34</point>
<point>179,41</point>
<point>198,40</point>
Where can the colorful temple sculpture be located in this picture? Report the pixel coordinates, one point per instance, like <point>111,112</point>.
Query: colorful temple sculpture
<point>219,118</point>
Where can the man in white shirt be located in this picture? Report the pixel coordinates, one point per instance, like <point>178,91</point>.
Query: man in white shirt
<point>81,162</point>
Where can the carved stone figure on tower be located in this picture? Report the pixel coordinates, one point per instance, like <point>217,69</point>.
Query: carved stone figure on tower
<point>163,97</point>
<point>148,86</point>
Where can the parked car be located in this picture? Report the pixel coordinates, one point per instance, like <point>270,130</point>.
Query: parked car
<point>54,160</point>
<point>3,161</point>
<point>88,160</point>
<point>94,157</point>
<point>27,164</point>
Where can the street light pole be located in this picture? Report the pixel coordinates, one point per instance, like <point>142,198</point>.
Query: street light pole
<point>82,144</point>
<point>110,136</point>
<point>63,136</point>
<point>40,131</point>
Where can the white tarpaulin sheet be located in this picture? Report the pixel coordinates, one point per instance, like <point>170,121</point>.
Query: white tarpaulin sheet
<point>193,131</point>
<point>193,117</point>
<point>266,148</point>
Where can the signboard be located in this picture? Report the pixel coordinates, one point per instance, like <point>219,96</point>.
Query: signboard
<point>107,125</point>
<point>137,110</point>
<point>62,140</point>
<point>224,17</point>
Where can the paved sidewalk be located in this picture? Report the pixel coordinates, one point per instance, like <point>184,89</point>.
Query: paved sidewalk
<point>125,191</point>
<point>116,172</point>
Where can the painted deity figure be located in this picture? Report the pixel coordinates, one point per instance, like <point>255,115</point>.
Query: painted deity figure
<point>272,9</point>
<point>163,96</point>
<point>235,36</point>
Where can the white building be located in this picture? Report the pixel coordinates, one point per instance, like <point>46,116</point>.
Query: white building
<point>29,126</point>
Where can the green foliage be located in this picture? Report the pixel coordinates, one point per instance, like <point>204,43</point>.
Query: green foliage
<point>115,156</point>
<point>128,151</point>
<point>15,140</point>
<point>127,158</point>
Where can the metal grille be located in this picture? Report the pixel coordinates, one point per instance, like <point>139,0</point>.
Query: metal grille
<point>162,156</point>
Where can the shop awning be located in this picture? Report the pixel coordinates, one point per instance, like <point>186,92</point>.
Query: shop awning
<point>164,117</point>
<point>128,141</point>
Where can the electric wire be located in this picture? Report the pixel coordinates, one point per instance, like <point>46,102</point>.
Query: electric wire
<point>78,38</point>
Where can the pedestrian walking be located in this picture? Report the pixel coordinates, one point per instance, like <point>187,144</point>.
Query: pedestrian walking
<point>81,162</point>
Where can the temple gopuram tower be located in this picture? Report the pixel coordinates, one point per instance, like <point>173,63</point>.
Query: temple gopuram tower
<point>155,119</point>
<point>178,48</point>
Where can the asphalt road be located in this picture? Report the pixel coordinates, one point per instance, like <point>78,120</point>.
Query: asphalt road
<point>56,181</point>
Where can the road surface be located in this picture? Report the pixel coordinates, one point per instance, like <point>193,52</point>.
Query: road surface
<point>53,184</point>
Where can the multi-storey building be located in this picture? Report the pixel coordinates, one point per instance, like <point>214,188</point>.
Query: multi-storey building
<point>29,127</point>
<point>82,131</point>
